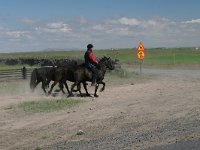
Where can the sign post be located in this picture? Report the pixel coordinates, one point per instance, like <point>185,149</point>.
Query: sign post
<point>140,55</point>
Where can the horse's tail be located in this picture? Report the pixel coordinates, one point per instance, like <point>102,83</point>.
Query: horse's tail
<point>33,79</point>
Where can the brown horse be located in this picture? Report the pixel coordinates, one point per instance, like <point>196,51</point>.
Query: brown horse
<point>82,74</point>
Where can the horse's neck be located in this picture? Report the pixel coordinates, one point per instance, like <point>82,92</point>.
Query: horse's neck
<point>102,69</point>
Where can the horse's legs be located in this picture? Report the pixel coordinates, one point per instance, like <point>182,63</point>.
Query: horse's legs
<point>96,88</point>
<point>47,83</point>
<point>35,85</point>
<point>44,86</point>
<point>85,87</point>
<point>76,89</point>
<point>52,86</point>
<point>79,88</point>
<point>66,86</point>
<point>103,88</point>
<point>61,88</point>
<point>72,87</point>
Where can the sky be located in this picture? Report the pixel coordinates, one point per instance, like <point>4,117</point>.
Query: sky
<point>34,25</point>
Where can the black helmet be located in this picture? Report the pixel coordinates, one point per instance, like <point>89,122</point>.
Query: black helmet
<point>90,46</point>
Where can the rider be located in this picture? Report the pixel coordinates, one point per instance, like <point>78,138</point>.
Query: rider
<point>91,63</point>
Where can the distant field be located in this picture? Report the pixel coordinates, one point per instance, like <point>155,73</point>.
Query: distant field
<point>159,57</point>
<point>173,57</point>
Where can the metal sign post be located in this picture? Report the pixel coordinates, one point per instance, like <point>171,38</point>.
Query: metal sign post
<point>141,62</point>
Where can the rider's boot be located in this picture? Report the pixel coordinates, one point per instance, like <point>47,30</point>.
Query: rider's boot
<point>93,81</point>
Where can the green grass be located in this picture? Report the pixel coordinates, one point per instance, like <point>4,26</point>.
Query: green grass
<point>37,148</point>
<point>48,105</point>
<point>173,57</point>
<point>154,57</point>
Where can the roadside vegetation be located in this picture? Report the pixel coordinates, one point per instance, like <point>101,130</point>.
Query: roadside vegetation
<point>46,105</point>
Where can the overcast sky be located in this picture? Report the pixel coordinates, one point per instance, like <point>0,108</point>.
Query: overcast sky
<point>32,25</point>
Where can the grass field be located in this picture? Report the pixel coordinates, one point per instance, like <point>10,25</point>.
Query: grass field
<point>159,57</point>
<point>171,57</point>
<point>48,105</point>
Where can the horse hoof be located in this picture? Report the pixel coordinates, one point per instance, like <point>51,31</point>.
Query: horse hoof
<point>58,90</point>
<point>96,95</point>
<point>70,95</point>
<point>54,94</point>
<point>101,90</point>
<point>88,95</point>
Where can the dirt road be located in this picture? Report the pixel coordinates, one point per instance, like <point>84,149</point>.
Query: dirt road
<point>162,110</point>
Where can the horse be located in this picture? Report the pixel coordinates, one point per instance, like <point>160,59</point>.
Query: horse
<point>69,73</point>
<point>41,75</point>
<point>82,74</point>
<point>63,74</point>
<point>44,75</point>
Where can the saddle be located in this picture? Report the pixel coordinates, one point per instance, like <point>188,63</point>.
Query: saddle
<point>87,71</point>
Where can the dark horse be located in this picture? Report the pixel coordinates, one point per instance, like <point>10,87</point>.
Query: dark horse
<point>63,74</point>
<point>44,75</point>
<point>82,74</point>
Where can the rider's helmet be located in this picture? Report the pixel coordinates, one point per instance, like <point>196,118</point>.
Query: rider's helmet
<point>89,46</point>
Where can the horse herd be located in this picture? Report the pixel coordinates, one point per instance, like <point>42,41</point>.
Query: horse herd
<point>72,72</point>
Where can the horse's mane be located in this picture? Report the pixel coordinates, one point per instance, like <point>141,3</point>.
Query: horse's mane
<point>103,59</point>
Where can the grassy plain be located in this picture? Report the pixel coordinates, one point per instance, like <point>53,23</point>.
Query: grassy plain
<point>48,105</point>
<point>154,57</point>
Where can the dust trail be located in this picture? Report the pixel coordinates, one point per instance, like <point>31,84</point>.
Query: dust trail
<point>12,92</point>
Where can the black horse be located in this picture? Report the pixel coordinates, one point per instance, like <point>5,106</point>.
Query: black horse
<point>82,74</point>
<point>61,75</point>
<point>44,75</point>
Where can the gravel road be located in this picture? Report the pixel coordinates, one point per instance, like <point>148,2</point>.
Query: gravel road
<point>178,129</point>
<point>160,113</point>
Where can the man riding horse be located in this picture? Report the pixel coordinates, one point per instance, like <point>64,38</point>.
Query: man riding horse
<point>91,63</point>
